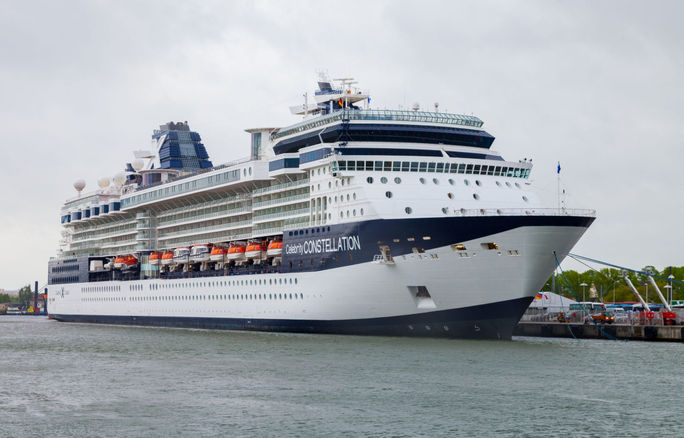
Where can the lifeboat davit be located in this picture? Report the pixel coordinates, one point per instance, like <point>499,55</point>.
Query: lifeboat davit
<point>200,253</point>
<point>155,258</point>
<point>218,254</point>
<point>236,251</point>
<point>275,248</point>
<point>167,258</point>
<point>125,262</point>
<point>255,249</point>
<point>181,255</point>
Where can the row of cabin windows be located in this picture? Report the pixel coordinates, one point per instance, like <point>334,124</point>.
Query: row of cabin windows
<point>420,166</point>
<point>225,297</point>
<point>176,285</point>
<point>101,289</point>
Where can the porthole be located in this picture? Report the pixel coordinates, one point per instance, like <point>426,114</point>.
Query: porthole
<point>369,180</point>
<point>451,181</point>
<point>466,182</point>
<point>525,199</point>
<point>422,180</point>
<point>397,180</point>
<point>335,198</point>
<point>517,185</point>
<point>388,194</point>
<point>354,196</point>
<point>329,184</point>
<point>498,183</point>
<point>342,183</point>
<point>337,183</point>
<point>476,196</point>
<point>250,170</point>
<point>478,182</point>
<point>445,210</point>
<point>508,184</point>
<point>361,212</point>
<point>354,212</point>
<point>450,195</point>
<point>347,213</point>
<point>408,210</point>
<point>347,197</point>
<point>319,171</point>
<point>435,180</point>
<point>383,180</point>
<point>341,214</point>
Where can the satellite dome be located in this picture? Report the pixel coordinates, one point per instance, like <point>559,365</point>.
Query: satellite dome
<point>416,106</point>
<point>103,182</point>
<point>137,164</point>
<point>79,185</point>
<point>120,179</point>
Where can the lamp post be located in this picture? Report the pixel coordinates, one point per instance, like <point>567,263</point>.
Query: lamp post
<point>671,277</point>
<point>669,293</point>
<point>584,285</point>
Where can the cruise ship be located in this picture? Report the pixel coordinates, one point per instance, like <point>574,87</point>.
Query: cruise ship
<point>353,220</point>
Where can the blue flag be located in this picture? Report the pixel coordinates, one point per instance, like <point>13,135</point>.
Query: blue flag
<point>558,171</point>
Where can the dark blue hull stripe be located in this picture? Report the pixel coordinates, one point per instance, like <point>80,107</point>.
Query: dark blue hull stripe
<point>489,321</point>
<point>328,246</point>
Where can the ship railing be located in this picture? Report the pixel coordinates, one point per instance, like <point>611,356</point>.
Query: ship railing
<point>214,215</point>
<point>276,201</point>
<point>277,187</point>
<point>203,205</point>
<point>202,230</point>
<point>524,212</point>
<point>385,115</point>
<point>280,214</point>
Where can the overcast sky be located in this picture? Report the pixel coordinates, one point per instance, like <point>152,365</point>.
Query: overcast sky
<point>594,85</point>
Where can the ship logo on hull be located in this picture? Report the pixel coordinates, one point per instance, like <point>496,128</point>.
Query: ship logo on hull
<point>327,245</point>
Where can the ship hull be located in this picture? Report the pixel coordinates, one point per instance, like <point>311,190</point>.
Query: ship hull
<point>489,321</point>
<point>436,290</point>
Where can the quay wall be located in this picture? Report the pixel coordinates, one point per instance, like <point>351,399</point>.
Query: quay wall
<point>670,333</point>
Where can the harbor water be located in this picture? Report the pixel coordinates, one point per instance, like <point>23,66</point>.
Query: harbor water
<point>64,380</point>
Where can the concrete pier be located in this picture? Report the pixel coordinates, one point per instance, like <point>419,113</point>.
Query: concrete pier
<point>670,333</point>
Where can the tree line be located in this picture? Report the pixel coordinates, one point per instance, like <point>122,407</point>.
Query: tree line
<point>25,296</point>
<point>611,285</point>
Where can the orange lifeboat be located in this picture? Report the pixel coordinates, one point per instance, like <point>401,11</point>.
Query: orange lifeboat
<point>275,248</point>
<point>236,251</point>
<point>155,258</point>
<point>255,248</point>
<point>218,254</point>
<point>167,258</point>
<point>125,262</point>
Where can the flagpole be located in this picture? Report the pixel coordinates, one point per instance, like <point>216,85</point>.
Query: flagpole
<point>558,185</point>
